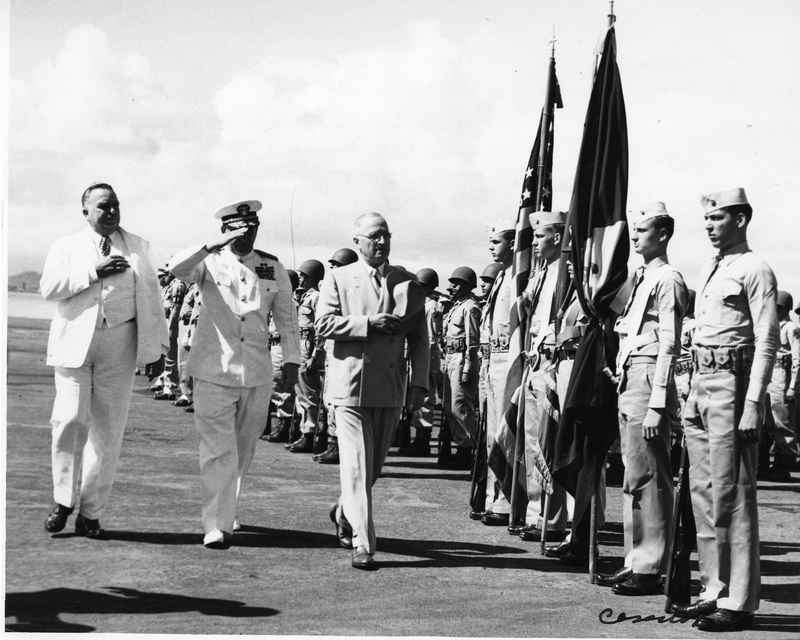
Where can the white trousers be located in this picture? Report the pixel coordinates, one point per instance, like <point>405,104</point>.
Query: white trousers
<point>229,421</point>
<point>365,436</point>
<point>495,387</point>
<point>89,416</point>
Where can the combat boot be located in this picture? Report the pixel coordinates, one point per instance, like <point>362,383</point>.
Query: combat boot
<point>420,447</point>
<point>331,455</point>
<point>462,461</point>
<point>281,434</point>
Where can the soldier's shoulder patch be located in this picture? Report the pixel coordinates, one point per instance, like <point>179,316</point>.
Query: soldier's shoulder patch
<point>264,254</point>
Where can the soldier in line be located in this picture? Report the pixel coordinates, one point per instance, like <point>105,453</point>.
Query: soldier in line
<point>461,333</point>
<point>283,393</point>
<point>422,420</point>
<point>230,357</point>
<point>780,423</point>
<point>309,383</point>
<point>735,341</point>
<point>190,309</point>
<point>172,292</point>
<point>649,330</point>
<point>486,281</point>
<point>340,258</point>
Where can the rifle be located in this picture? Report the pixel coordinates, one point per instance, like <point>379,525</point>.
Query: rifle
<point>445,439</point>
<point>321,425</point>
<point>683,536</point>
<point>480,467</point>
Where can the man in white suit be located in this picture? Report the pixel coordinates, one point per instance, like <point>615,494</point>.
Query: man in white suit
<point>109,315</point>
<point>366,379</point>
<point>230,359</point>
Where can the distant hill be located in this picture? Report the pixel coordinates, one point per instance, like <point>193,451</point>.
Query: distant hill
<point>25,281</point>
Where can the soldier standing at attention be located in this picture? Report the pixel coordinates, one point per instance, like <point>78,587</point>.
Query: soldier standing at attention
<point>781,426</point>
<point>422,420</point>
<point>461,333</point>
<point>309,383</point>
<point>230,357</point>
<point>735,341</point>
<point>649,330</point>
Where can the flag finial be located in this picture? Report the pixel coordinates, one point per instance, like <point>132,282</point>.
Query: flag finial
<point>553,43</point>
<point>611,17</point>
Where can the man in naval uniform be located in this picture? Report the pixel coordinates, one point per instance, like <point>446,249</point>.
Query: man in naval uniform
<point>736,338</point>
<point>230,359</point>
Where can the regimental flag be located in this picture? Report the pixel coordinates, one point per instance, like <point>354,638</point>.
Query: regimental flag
<point>537,195</point>
<point>600,248</point>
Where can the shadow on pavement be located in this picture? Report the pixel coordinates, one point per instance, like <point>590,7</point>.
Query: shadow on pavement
<point>776,622</point>
<point>787,593</point>
<point>39,611</point>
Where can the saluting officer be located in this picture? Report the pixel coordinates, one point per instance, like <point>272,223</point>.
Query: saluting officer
<point>309,383</point>
<point>461,333</point>
<point>736,337</point>
<point>649,330</point>
<point>230,356</point>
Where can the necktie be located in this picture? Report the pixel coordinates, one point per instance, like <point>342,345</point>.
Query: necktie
<point>105,245</point>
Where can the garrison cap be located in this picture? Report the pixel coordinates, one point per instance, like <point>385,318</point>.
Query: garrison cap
<point>648,212</point>
<point>785,300</point>
<point>721,199</point>
<point>546,218</point>
<point>242,211</point>
<point>499,226</point>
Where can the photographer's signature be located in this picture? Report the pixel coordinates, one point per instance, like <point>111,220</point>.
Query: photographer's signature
<point>607,617</point>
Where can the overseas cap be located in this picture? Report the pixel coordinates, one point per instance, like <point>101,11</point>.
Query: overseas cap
<point>501,225</point>
<point>243,210</point>
<point>785,300</point>
<point>722,199</point>
<point>648,212</point>
<point>546,218</point>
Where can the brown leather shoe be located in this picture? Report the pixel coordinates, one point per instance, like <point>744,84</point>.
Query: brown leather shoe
<point>697,610</point>
<point>57,518</point>
<point>610,579</point>
<point>727,620</point>
<point>362,559</point>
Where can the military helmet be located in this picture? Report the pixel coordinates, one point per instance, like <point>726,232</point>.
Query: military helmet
<point>785,300</point>
<point>491,271</point>
<point>344,257</point>
<point>293,278</point>
<point>429,277</point>
<point>313,269</point>
<point>467,275</point>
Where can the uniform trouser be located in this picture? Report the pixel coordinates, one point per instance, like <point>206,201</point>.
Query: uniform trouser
<point>535,416</point>
<point>365,436</point>
<point>89,416</point>
<point>459,400</point>
<point>423,419</point>
<point>495,387</point>
<point>563,373</point>
<point>282,395</point>
<point>722,475</point>
<point>229,421</point>
<point>186,383</point>
<point>647,490</point>
<point>308,389</point>
<point>781,425</point>
<point>171,374</point>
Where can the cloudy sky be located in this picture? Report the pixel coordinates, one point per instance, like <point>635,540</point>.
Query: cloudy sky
<point>424,110</point>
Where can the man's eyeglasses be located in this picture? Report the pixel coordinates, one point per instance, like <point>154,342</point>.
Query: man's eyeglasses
<point>374,237</point>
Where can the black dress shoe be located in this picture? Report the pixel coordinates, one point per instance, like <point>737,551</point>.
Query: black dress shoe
<point>558,552</point>
<point>516,529</point>
<point>304,444</point>
<point>697,610</point>
<point>574,559</point>
<point>362,559</point>
<point>534,534</point>
<point>345,536</point>
<point>610,579</point>
<point>477,515</point>
<point>88,528</point>
<point>492,519</point>
<point>640,584</point>
<point>57,518</point>
<point>727,620</point>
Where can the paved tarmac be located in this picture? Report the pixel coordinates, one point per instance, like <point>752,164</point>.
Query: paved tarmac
<point>440,574</point>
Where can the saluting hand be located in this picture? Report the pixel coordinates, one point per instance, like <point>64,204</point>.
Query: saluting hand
<point>111,265</point>
<point>225,238</point>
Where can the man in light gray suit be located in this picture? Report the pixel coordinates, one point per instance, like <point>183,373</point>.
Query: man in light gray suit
<point>366,380</point>
<point>109,315</point>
